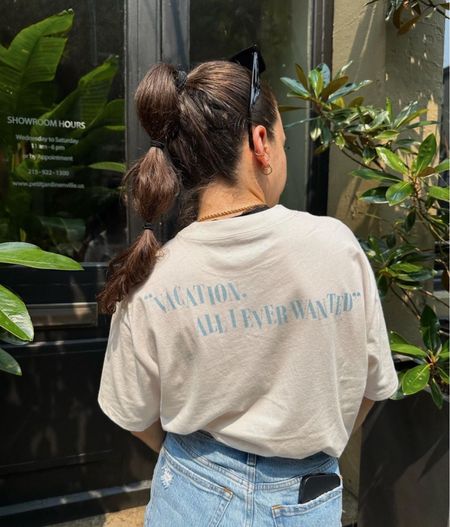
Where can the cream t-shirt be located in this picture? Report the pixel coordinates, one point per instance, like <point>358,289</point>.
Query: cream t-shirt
<point>265,330</point>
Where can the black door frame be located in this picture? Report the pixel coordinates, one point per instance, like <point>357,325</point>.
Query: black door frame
<point>322,51</point>
<point>157,30</point>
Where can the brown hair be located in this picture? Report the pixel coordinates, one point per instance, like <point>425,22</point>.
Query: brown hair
<point>203,126</point>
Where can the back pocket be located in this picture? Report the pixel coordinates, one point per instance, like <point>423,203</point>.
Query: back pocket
<point>181,497</point>
<point>326,509</point>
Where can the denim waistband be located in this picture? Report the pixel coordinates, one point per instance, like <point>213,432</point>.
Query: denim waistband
<point>202,449</point>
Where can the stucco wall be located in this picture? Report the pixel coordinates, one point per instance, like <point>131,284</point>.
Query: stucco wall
<point>405,68</point>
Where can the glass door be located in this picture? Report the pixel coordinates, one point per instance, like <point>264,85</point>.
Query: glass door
<point>66,70</point>
<point>220,28</point>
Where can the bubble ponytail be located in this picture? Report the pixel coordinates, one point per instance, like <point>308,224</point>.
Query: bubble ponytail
<point>152,183</point>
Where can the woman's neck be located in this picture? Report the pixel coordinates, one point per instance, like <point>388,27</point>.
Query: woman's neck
<point>218,199</point>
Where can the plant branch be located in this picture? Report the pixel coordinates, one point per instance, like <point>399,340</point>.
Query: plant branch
<point>410,307</point>
<point>428,293</point>
<point>412,303</point>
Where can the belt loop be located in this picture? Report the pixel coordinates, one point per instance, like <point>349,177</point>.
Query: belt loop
<point>251,459</point>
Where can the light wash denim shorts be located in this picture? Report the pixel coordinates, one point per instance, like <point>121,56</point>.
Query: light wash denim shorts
<point>200,482</point>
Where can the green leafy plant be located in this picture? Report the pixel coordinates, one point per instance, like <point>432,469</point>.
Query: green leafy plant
<point>432,368</point>
<point>15,322</point>
<point>406,13</point>
<point>28,90</point>
<point>402,168</point>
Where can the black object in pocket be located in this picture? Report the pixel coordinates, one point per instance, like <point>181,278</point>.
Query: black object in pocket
<point>313,485</point>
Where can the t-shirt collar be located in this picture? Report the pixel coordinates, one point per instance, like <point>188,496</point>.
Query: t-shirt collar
<point>235,226</point>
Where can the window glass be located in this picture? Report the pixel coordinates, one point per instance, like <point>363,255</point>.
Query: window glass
<point>62,126</point>
<point>220,28</point>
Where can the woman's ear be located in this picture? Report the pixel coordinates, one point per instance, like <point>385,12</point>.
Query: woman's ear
<point>260,142</point>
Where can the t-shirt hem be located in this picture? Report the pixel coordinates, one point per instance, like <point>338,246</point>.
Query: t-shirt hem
<point>130,427</point>
<point>385,394</point>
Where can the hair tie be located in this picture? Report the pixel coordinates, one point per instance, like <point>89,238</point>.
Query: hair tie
<point>148,225</point>
<point>181,79</point>
<point>158,144</point>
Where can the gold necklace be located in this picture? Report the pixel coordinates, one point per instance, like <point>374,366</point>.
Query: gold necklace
<point>230,211</point>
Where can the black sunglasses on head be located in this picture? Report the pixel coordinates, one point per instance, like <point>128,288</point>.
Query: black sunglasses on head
<point>252,59</point>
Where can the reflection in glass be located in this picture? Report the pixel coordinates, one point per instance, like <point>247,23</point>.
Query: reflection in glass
<point>220,28</point>
<point>62,126</point>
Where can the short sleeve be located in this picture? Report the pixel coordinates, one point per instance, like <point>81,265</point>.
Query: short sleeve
<point>129,392</point>
<point>382,379</point>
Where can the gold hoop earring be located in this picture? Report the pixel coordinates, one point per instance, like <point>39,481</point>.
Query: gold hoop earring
<point>267,173</point>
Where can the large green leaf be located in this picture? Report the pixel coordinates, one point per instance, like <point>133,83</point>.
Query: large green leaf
<point>443,166</point>
<point>443,356</point>
<point>389,108</point>
<point>342,69</point>
<point>408,287</point>
<point>315,131</point>
<point>427,171</point>
<point>380,119</point>
<point>415,379</point>
<point>374,195</point>
<point>439,192</point>
<point>427,151</point>
<point>399,393</point>
<point>368,155</point>
<point>357,101</point>
<point>87,101</point>
<point>301,76</point>
<point>316,81</point>
<point>89,142</point>
<point>333,86</point>
<point>436,394</point>
<point>109,165</point>
<point>29,255</point>
<point>9,363</point>
<point>410,220</point>
<point>295,86</point>
<point>419,276</point>
<point>348,88</point>
<point>387,135</point>
<point>429,327</point>
<point>377,175</point>
<point>399,192</point>
<point>444,353</point>
<point>110,115</point>
<point>406,267</point>
<point>5,336</point>
<point>406,113</point>
<point>21,53</point>
<point>391,159</point>
<point>27,67</point>
<point>400,345</point>
<point>326,74</point>
<point>419,123</point>
<point>444,374</point>
<point>14,317</point>
<point>406,144</point>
